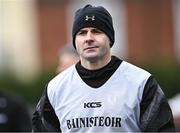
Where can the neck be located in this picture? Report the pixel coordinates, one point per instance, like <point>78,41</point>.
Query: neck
<point>94,65</point>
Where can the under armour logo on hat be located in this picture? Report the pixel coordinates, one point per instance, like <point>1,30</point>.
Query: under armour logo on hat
<point>90,17</point>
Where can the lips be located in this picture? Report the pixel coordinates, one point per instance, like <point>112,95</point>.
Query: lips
<point>91,48</point>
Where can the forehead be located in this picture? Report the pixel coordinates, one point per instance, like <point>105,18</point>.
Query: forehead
<point>89,28</point>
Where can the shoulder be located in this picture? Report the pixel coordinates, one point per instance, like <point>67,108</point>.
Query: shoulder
<point>132,71</point>
<point>134,76</point>
<point>61,77</point>
<point>60,81</point>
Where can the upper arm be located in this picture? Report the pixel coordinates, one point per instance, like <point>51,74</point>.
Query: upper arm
<point>155,114</point>
<point>44,117</point>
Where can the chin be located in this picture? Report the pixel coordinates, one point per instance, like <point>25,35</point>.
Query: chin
<point>92,58</point>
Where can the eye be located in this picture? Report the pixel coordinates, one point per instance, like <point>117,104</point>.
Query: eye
<point>82,32</point>
<point>96,31</point>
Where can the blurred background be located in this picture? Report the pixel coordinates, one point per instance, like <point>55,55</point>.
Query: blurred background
<point>32,32</point>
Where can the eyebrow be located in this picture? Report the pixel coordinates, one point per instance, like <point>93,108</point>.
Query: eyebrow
<point>92,30</point>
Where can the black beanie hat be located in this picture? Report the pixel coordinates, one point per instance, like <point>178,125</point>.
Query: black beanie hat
<point>97,17</point>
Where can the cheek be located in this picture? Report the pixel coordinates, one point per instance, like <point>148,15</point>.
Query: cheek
<point>78,47</point>
<point>106,41</point>
<point>78,41</point>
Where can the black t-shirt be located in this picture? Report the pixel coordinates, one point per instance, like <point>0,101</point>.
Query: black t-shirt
<point>96,78</point>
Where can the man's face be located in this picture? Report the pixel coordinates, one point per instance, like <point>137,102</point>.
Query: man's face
<point>92,44</point>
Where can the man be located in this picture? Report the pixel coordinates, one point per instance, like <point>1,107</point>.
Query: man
<point>14,113</point>
<point>67,57</point>
<point>101,93</point>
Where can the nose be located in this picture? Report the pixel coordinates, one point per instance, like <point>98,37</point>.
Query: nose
<point>89,37</point>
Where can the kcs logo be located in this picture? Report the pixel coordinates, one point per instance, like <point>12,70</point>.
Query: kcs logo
<point>92,105</point>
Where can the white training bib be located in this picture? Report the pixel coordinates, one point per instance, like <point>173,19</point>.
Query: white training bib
<point>113,107</point>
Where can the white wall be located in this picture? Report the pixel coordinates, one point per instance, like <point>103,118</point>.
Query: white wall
<point>19,37</point>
